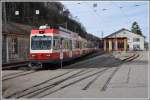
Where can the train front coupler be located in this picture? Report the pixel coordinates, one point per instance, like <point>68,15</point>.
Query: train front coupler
<point>35,65</point>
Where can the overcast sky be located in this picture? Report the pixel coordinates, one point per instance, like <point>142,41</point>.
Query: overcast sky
<point>110,16</point>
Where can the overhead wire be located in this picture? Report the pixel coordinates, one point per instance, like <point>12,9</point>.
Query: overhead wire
<point>90,11</point>
<point>94,11</point>
<point>122,11</point>
<point>97,16</point>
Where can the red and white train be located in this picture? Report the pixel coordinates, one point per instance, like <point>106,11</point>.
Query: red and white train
<point>51,43</point>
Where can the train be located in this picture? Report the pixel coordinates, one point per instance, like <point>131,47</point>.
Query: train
<point>53,43</point>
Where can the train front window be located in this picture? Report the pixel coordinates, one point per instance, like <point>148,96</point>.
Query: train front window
<point>41,42</point>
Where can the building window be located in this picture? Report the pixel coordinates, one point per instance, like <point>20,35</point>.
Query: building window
<point>107,44</point>
<point>121,44</point>
<point>136,47</point>
<point>136,39</point>
<point>56,43</point>
<point>15,45</point>
<point>124,32</point>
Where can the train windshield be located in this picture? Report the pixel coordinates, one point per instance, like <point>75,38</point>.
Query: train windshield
<point>41,42</point>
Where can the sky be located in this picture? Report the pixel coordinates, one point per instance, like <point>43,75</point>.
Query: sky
<point>110,16</point>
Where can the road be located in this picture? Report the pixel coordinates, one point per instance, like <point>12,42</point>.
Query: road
<point>100,77</point>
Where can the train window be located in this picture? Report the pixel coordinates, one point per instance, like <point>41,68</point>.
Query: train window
<point>70,44</point>
<point>41,42</point>
<point>66,44</point>
<point>80,45</point>
<point>73,44</point>
<point>56,43</point>
<point>85,45</point>
<point>77,44</point>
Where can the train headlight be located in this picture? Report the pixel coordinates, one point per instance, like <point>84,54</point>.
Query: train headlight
<point>33,55</point>
<point>48,55</point>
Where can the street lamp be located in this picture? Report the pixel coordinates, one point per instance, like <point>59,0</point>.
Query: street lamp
<point>37,12</point>
<point>17,13</point>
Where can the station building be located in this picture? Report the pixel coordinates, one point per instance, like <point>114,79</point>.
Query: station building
<point>123,40</point>
<point>15,42</point>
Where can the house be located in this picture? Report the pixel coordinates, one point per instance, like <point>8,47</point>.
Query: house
<point>123,40</point>
<point>15,42</point>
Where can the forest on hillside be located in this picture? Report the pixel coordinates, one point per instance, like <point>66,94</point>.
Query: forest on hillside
<point>49,12</point>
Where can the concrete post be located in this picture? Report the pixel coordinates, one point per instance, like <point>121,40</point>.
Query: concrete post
<point>125,44</point>
<point>116,44</point>
<point>104,45</point>
<point>110,45</point>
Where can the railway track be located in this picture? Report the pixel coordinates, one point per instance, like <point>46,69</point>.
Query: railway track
<point>38,89</point>
<point>16,75</point>
<point>30,90</point>
<point>35,86</point>
<point>129,59</point>
<point>12,74</point>
<point>79,74</point>
<point>126,60</point>
<point>24,65</point>
<point>19,74</point>
<point>15,66</point>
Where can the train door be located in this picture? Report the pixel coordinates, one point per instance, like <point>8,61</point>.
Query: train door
<point>61,48</point>
<point>81,51</point>
<point>70,48</point>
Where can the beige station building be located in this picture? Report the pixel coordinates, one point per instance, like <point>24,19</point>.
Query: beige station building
<point>123,40</point>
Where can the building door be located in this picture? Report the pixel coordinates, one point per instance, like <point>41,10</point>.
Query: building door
<point>136,47</point>
<point>113,45</point>
<point>127,46</point>
<point>13,48</point>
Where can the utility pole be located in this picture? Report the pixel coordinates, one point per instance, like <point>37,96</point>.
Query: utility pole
<point>102,42</point>
<point>37,12</point>
<point>102,35</point>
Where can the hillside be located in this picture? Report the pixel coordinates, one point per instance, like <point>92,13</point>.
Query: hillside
<point>49,12</point>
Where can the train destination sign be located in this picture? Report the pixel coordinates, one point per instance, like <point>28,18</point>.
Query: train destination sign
<point>41,38</point>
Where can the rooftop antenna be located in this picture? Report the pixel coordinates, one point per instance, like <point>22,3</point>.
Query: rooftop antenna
<point>137,5</point>
<point>102,35</point>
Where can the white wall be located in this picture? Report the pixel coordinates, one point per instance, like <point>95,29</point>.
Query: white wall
<point>130,37</point>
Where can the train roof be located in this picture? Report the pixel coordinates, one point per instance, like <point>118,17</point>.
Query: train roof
<point>53,27</point>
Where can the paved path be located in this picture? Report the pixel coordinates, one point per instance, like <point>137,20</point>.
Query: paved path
<point>100,77</point>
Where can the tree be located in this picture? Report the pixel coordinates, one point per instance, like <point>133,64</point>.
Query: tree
<point>50,13</point>
<point>146,45</point>
<point>135,28</point>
